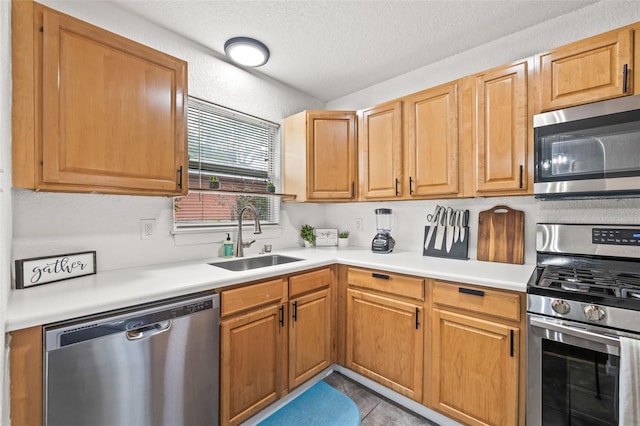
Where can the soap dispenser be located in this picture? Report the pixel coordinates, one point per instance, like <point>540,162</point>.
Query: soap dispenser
<point>228,247</point>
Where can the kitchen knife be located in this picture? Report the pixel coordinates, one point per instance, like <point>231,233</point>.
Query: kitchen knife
<point>465,223</point>
<point>433,222</point>
<point>450,225</point>
<point>440,231</point>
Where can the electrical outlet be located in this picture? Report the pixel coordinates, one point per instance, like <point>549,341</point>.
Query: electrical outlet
<point>359,224</point>
<point>147,229</point>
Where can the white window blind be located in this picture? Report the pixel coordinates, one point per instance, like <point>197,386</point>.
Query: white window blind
<point>240,150</point>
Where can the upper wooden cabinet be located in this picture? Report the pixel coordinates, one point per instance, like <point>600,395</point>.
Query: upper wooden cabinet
<point>320,160</point>
<point>501,134</point>
<point>93,111</point>
<point>431,119</point>
<point>589,70</point>
<point>380,149</point>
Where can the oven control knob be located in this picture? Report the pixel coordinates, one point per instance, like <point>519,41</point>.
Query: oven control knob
<point>561,307</point>
<point>594,313</point>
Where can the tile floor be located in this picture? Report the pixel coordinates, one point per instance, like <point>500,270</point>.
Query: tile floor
<point>375,410</point>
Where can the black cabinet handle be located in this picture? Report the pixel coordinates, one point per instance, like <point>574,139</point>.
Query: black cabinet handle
<point>353,189</point>
<point>520,175</point>
<point>625,74</point>
<point>410,185</point>
<point>471,291</point>
<point>417,318</point>
<point>180,177</point>
<point>511,348</point>
<point>397,193</point>
<point>295,311</point>
<point>381,276</point>
<point>281,315</point>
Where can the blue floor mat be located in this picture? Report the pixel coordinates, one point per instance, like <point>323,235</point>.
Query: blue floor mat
<point>320,405</point>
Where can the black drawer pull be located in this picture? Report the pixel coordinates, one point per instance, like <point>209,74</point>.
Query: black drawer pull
<point>471,291</point>
<point>625,72</point>
<point>381,276</point>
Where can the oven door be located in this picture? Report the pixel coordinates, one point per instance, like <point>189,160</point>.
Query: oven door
<point>572,373</point>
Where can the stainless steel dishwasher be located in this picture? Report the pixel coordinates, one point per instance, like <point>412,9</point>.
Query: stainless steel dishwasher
<point>155,365</point>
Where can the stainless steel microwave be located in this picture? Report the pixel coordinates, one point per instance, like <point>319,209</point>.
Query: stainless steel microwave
<point>588,151</point>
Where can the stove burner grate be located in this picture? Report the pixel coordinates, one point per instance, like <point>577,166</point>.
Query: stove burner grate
<point>591,281</point>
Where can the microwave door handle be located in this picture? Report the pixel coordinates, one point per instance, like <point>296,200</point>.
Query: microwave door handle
<point>576,332</point>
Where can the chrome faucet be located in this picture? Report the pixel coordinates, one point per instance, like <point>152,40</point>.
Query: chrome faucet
<point>256,229</point>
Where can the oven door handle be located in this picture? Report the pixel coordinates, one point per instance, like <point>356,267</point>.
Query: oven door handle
<point>575,331</point>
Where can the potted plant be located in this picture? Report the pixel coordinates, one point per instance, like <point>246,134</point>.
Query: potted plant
<point>271,187</point>
<point>343,239</point>
<point>308,235</point>
<point>214,182</point>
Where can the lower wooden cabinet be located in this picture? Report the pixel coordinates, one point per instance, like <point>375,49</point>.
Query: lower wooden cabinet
<point>26,373</point>
<point>384,341</point>
<point>270,345</point>
<point>250,363</point>
<point>474,369</point>
<point>477,354</point>
<point>310,336</point>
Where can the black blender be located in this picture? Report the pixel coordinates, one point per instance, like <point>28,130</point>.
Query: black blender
<point>383,242</point>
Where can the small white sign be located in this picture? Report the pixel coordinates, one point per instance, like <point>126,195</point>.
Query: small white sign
<point>43,270</point>
<point>326,237</point>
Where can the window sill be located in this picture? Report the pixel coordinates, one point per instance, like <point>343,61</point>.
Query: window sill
<point>285,197</point>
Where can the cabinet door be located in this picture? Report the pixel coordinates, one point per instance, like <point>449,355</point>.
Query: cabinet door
<point>589,70</point>
<point>474,369</point>
<point>250,363</point>
<point>385,341</point>
<point>310,336</point>
<point>25,362</point>
<point>331,155</point>
<point>432,141</point>
<point>114,112</point>
<point>380,147</point>
<point>502,130</point>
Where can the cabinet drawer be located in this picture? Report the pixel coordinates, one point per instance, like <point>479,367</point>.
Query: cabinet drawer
<point>240,299</point>
<point>304,283</point>
<point>491,302</point>
<point>399,285</point>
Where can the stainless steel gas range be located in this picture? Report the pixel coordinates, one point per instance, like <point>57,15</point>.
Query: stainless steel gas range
<point>583,323</point>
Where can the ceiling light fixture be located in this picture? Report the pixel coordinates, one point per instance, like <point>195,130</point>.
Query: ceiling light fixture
<point>246,51</point>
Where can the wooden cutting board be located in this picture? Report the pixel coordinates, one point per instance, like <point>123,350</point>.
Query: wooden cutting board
<point>501,235</point>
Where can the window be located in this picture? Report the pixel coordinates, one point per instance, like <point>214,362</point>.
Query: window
<point>240,151</point>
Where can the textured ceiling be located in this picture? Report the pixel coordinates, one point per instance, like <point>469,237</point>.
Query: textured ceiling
<point>329,49</point>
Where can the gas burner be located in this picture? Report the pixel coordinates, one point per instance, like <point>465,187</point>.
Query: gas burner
<point>575,286</point>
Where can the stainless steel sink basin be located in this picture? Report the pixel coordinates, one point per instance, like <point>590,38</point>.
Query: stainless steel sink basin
<point>248,263</point>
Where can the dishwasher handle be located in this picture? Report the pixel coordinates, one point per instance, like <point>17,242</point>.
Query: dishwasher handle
<point>148,330</point>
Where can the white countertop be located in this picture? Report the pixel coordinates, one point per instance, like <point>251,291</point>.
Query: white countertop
<point>121,288</point>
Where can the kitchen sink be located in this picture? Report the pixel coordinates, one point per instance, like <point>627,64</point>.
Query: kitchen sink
<point>248,263</point>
